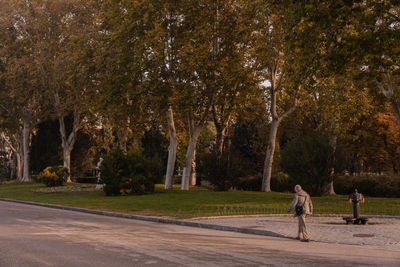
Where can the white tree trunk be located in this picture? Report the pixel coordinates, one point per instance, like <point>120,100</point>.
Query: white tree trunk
<point>330,190</point>
<point>68,142</point>
<point>14,143</point>
<point>269,157</point>
<point>67,163</point>
<point>221,129</point>
<point>65,147</point>
<point>276,120</point>
<point>173,144</point>
<point>193,176</point>
<point>18,157</point>
<point>190,153</point>
<point>25,148</point>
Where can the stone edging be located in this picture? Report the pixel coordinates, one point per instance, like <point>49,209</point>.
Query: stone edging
<point>179,222</point>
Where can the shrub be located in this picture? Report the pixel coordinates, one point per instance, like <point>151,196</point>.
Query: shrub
<point>249,182</point>
<point>216,170</point>
<point>155,147</point>
<point>127,174</point>
<point>53,176</point>
<point>240,164</point>
<point>308,161</point>
<point>281,182</point>
<point>228,170</point>
<point>369,185</point>
<point>137,185</point>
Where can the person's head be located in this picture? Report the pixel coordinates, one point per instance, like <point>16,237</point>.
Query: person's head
<point>297,188</point>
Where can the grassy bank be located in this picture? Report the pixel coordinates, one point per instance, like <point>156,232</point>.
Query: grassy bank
<point>193,203</point>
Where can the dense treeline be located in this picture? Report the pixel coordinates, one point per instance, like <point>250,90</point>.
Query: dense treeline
<point>253,95</point>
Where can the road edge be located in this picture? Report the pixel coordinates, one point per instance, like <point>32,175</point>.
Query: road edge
<point>150,218</point>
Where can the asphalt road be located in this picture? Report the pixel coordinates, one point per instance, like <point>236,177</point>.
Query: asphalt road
<point>38,236</point>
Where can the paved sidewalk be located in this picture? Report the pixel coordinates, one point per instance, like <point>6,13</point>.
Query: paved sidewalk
<point>379,233</point>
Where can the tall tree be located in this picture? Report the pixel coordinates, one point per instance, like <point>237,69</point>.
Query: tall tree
<point>24,83</point>
<point>213,53</point>
<point>236,81</point>
<point>62,23</point>
<point>288,68</point>
<point>377,30</point>
<point>164,43</point>
<point>120,65</point>
<point>72,97</point>
<point>198,74</point>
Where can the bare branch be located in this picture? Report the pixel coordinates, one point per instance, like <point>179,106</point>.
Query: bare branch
<point>6,139</point>
<point>388,93</point>
<point>296,104</point>
<point>279,85</point>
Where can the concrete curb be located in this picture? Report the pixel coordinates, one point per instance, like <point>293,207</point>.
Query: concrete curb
<point>151,219</point>
<point>181,222</point>
<point>291,215</point>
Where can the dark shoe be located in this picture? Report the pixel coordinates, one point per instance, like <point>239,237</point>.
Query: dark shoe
<point>298,238</point>
<point>305,240</point>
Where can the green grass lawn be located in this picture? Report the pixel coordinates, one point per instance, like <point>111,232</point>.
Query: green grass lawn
<point>195,202</point>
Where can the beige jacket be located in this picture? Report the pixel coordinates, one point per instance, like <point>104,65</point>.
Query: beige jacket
<point>301,198</point>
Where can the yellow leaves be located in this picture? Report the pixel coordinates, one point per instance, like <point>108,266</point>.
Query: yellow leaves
<point>388,125</point>
<point>48,173</point>
<point>125,192</point>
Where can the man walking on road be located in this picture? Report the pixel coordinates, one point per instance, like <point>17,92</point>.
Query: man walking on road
<point>303,206</point>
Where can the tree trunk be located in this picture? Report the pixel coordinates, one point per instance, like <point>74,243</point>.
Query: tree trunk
<point>25,148</point>
<point>221,135</point>
<point>65,147</point>
<point>18,157</point>
<point>173,144</point>
<point>193,176</point>
<point>190,154</point>
<point>122,133</point>
<point>329,189</point>
<point>68,142</point>
<point>269,157</point>
<point>15,155</point>
<point>219,142</point>
<point>123,138</point>
<point>396,111</point>
<point>67,163</point>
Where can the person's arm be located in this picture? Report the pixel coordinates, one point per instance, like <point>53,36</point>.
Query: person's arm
<point>293,204</point>
<point>311,206</point>
<point>350,198</point>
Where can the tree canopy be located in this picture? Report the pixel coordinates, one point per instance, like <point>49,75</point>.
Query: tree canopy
<point>221,80</point>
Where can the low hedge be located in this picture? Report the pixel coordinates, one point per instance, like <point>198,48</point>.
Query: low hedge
<point>370,185</point>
